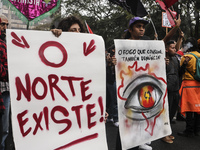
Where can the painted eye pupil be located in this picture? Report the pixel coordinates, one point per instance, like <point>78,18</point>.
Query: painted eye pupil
<point>146,98</point>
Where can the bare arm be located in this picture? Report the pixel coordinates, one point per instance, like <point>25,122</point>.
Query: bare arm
<point>173,30</point>
<point>180,40</point>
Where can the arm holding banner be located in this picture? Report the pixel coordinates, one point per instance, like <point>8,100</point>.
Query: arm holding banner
<point>179,41</point>
<point>173,30</point>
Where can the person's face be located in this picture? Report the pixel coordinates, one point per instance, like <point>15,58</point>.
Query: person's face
<point>75,28</point>
<point>3,24</point>
<point>171,50</point>
<point>137,30</point>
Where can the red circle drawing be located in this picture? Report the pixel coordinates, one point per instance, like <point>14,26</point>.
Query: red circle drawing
<point>59,46</point>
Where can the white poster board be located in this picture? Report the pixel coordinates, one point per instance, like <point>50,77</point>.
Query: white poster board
<point>57,88</point>
<point>165,21</point>
<point>141,91</point>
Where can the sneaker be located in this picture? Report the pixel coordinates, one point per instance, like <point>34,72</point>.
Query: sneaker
<point>145,147</point>
<point>116,124</point>
<point>109,120</point>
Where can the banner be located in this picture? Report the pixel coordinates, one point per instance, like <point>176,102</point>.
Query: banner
<point>28,10</point>
<point>134,7</point>
<point>141,91</point>
<point>57,88</point>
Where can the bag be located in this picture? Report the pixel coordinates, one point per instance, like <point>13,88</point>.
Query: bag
<point>197,73</point>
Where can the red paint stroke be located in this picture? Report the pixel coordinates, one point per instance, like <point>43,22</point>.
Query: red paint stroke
<point>101,108</point>
<point>129,70</point>
<point>25,42</point>
<point>154,122</point>
<point>15,36</point>
<point>90,48</point>
<point>83,139</point>
<point>18,42</point>
<point>54,44</point>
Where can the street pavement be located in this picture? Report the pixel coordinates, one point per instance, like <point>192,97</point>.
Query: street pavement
<point>180,143</point>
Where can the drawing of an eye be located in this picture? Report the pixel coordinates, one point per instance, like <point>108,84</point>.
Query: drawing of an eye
<point>143,95</point>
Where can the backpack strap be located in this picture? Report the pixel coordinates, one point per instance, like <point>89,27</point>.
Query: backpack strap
<point>194,55</point>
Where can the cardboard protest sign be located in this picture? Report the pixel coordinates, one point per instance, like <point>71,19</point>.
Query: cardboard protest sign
<point>57,88</point>
<point>141,91</point>
<point>165,21</point>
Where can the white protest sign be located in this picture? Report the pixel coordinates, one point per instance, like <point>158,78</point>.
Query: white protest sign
<point>57,88</point>
<point>141,91</point>
<point>165,21</point>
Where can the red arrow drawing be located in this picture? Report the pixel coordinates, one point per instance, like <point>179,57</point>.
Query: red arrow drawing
<point>90,48</point>
<point>19,42</point>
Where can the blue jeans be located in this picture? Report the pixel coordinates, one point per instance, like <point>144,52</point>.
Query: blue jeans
<point>5,119</point>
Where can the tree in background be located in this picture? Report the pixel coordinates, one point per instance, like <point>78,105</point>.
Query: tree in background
<point>110,21</point>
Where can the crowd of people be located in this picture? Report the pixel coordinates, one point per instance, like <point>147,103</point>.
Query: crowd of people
<point>182,85</point>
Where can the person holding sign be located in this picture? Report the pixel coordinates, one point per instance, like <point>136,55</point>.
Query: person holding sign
<point>136,31</point>
<point>69,24</point>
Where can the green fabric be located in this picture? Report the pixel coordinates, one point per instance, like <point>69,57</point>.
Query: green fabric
<point>24,19</point>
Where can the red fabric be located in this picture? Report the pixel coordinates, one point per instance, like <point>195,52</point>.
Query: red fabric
<point>169,3</point>
<point>180,53</point>
<point>3,69</point>
<point>169,15</point>
<point>88,28</point>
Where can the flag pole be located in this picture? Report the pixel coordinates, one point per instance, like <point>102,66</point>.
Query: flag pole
<point>153,25</point>
<point>86,26</point>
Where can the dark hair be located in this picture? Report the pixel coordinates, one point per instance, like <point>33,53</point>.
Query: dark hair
<point>67,22</point>
<point>169,43</point>
<point>127,34</point>
<point>194,43</point>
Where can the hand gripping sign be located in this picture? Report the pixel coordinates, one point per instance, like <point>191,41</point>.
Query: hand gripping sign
<point>57,88</point>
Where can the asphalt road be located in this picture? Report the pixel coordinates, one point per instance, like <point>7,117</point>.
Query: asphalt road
<point>180,143</point>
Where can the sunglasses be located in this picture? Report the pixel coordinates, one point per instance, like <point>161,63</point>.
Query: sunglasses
<point>3,24</point>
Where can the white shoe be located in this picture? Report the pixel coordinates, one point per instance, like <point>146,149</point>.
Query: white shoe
<point>116,124</point>
<point>145,147</point>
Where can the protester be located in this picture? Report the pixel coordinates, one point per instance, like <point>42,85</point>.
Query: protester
<point>136,31</point>
<point>189,91</point>
<point>4,88</point>
<point>111,94</point>
<point>174,73</point>
<point>69,24</point>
